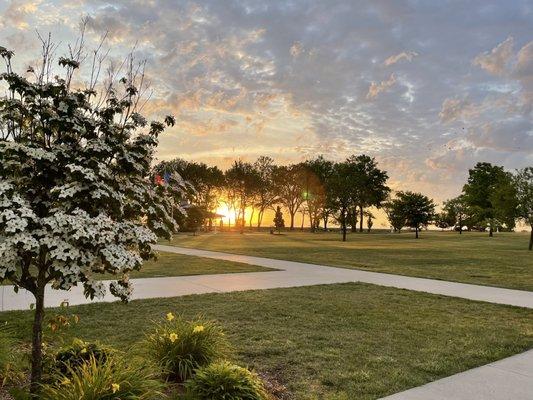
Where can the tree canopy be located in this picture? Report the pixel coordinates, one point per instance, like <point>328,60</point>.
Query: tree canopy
<point>76,195</point>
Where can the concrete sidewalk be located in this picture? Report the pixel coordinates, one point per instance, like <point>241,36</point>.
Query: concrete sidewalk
<point>290,274</point>
<point>510,378</point>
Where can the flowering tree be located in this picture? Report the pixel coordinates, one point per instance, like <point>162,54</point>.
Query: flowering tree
<point>76,199</point>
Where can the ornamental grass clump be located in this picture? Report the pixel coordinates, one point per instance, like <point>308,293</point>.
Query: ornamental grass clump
<point>113,380</point>
<point>225,381</point>
<point>179,346</point>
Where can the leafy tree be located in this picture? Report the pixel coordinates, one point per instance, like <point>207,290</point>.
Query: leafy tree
<point>444,220</point>
<point>342,188</point>
<point>395,213</point>
<point>194,219</point>
<point>265,196</point>
<point>479,192</point>
<point>417,209</point>
<point>242,184</point>
<point>76,198</point>
<point>523,182</point>
<point>314,195</point>
<point>290,188</point>
<point>321,196</point>
<point>279,222</point>
<point>204,183</point>
<point>370,184</point>
<point>457,212</point>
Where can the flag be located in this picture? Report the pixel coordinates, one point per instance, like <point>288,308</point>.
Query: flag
<point>158,180</point>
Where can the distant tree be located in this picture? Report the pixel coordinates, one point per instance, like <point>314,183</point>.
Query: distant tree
<point>289,184</point>
<point>321,197</point>
<point>457,212</point>
<point>279,222</point>
<point>76,195</point>
<point>194,219</point>
<point>265,195</point>
<point>395,213</point>
<point>417,209</point>
<point>204,183</point>
<point>342,188</point>
<point>370,184</point>
<point>523,182</point>
<point>443,220</point>
<point>479,192</point>
<point>242,184</point>
<point>314,193</point>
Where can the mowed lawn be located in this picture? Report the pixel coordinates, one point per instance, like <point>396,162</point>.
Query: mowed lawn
<point>342,341</point>
<point>502,260</point>
<point>171,264</point>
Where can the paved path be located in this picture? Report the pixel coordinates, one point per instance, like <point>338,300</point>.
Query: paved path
<point>507,379</point>
<point>290,274</point>
<point>511,378</point>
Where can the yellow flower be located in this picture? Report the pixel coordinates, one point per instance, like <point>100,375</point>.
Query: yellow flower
<point>173,337</point>
<point>170,316</point>
<point>198,329</point>
<point>115,387</point>
<point>83,351</point>
<point>65,381</point>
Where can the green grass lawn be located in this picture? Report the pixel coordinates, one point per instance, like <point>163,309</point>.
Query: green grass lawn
<point>342,341</point>
<point>472,257</point>
<point>171,264</point>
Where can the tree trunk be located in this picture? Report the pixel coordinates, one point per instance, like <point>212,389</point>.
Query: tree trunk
<point>353,219</point>
<point>416,232</point>
<point>344,218</point>
<point>531,239</point>
<point>325,223</point>
<point>490,231</point>
<point>360,218</point>
<point>292,220</point>
<point>252,217</point>
<point>37,335</point>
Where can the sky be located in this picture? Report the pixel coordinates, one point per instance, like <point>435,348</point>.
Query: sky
<point>428,88</point>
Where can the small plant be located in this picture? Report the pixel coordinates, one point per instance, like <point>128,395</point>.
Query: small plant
<point>181,346</point>
<point>225,381</point>
<point>78,353</point>
<point>112,380</point>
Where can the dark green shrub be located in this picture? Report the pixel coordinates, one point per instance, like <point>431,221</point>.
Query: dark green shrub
<point>78,353</point>
<point>225,381</point>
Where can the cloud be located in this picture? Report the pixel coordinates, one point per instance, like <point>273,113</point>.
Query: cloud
<point>404,55</point>
<point>523,72</point>
<point>296,49</point>
<point>514,135</point>
<point>454,109</point>
<point>17,13</point>
<point>496,61</point>
<point>376,88</point>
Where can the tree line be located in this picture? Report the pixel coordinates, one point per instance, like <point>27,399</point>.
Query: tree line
<point>324,191</point>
